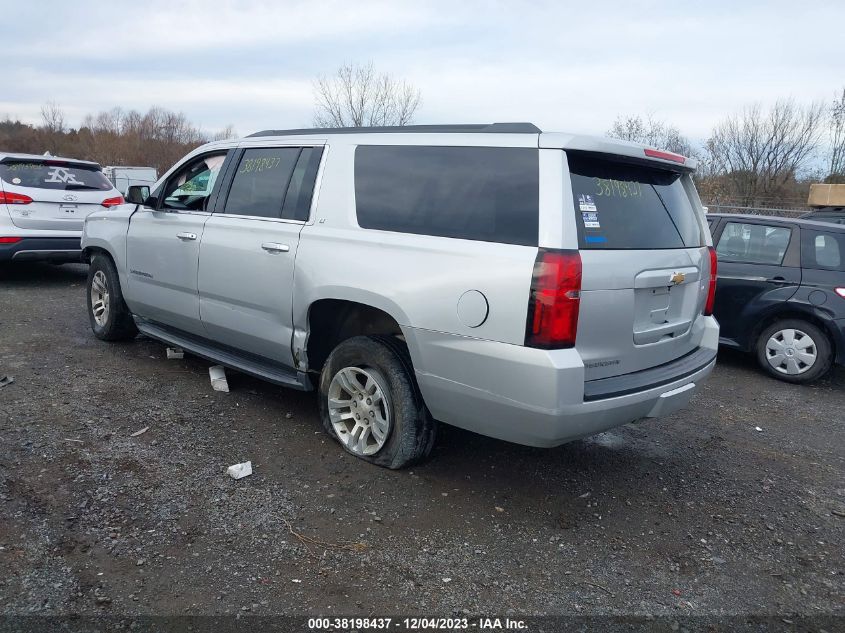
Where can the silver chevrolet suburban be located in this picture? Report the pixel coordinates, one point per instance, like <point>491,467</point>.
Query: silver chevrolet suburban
<point>531,286</point>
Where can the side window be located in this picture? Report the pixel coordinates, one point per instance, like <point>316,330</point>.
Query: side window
<point>753,243</point>
<point>189,188</point>
<point>260,182</point>
<point>489,194</point>
<point>301,189</point>
<point>822,251</point>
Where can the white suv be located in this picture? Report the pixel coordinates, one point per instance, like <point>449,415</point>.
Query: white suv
<point>44,202</point>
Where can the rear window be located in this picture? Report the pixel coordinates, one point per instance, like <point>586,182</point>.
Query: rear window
<point>626,206</point>
<point>53,175</point>
<point>822,251</point>
<point>488,194</point>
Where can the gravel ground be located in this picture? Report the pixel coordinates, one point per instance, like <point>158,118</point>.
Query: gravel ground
<point>699,513</point>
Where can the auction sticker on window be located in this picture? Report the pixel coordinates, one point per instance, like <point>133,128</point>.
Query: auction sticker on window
<point>586,202</point>
<point>590,219</point>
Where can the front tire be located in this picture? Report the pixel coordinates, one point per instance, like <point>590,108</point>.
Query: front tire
<point>794,351</point>
<point>110,318</point>
<point>371,404</point>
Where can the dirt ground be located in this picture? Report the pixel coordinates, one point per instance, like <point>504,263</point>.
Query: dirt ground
<point>735,505</point>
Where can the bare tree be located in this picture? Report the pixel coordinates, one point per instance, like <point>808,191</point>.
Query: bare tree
<point>225,134</point>
<point>53,118</point>
<point>650,131</point>
<point>358,96</point>
<point>836,172</point>
<point>757,153</point>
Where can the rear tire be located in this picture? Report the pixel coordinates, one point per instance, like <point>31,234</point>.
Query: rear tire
<point>110,318</point>
<point>377,412</point>
<point>794,351</point>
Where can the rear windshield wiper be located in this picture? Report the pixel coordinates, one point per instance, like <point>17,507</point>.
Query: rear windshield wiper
<point>78,187</point>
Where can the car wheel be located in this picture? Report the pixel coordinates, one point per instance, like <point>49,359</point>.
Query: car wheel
<point>110,318</point>
<point>371,404</point>
<point>795,351</point>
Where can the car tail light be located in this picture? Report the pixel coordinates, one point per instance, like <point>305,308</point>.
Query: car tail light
<point>8,197</point>
<point>711,289</point>
<point>554,300</point>
<point>656,153</point>
<point>112,202</point>
<point>841,292</point>
<point>10,240</point>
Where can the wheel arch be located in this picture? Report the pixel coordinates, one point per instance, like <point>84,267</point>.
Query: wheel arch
<point>331,320</point>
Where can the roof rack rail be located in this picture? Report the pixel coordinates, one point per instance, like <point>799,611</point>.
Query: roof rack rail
<point>483,128</point>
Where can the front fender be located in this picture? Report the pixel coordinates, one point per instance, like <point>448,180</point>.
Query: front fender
<point>106,230</point>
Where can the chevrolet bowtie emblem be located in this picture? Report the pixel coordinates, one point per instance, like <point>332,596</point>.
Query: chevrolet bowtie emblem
<point>677,278</point>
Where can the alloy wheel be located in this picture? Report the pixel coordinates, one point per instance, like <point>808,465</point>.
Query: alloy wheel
<point>359,409</point>
<point>100,298</point>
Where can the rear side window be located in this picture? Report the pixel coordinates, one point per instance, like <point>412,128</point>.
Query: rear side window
<point>822,251</point>
<point>53,175</point>
<point>625,206</point>
<point>488,194</point>
<point>301,189</point>
<point>753,243</point>
<point>261,180</point>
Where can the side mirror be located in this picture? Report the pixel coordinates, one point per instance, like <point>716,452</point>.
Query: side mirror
<point>138,194</point>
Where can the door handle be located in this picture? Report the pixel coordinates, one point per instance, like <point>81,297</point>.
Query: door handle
<point>186,236</point>
<point>777,280</point>
<point>275,247</point>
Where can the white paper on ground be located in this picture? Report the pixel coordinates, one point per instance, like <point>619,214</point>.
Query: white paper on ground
<point>218,378</point>
<point>238,471</point>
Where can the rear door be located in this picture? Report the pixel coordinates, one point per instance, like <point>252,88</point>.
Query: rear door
<point>248,250</point>
<point>54,195</point>
<point>758,269</point>
<point>642,240</point>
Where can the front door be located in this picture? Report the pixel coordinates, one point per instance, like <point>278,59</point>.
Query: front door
<point>757,270</point>
<point>248,250</point>
<point>162,246</point>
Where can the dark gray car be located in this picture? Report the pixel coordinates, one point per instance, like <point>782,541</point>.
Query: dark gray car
<point>780,292</point>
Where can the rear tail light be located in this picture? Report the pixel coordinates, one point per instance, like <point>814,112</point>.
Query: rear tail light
<point>711,289</point>
<point>656,153</point>
<point>554,300</point>
<point>112,202</point>
<point>10,240</point>
<point>7,197</point>
<point>841,292</point>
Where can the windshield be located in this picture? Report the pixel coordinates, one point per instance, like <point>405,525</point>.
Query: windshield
<point>53,175</point>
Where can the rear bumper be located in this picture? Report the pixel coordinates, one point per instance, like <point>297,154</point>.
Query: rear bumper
<point>55,249</point>
<point>539,398</point>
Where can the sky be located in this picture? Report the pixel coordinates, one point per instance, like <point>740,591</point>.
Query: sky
<point>565,66</point>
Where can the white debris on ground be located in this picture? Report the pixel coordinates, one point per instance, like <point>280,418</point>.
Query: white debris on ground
<point>6,380</point>
<point>218,378</point>
<point>140,432</point>
<point>175,353</point>
<point>239,471</point>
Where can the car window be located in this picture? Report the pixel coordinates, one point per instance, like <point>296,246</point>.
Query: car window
<point>297,204</point>
<point>625,206</point>
<point>753,243</point>
<point>822,251</point>
<point>49,174</point>
<point>260,182</point>
<point>489,194</point>
<point>190,187</point>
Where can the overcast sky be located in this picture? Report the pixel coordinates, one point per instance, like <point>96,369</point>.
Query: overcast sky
<point>570,66</point>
